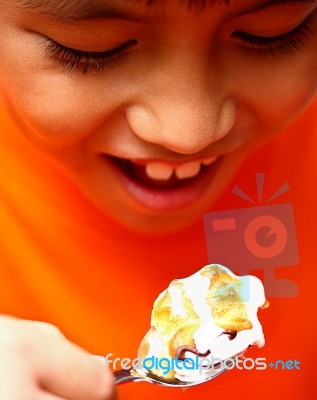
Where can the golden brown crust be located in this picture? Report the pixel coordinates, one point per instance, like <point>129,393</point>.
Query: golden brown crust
<point>144,346</point>
<point>224,298</point>
<point>164,319</point>
<point>183,337</point>
<point>266,304</point>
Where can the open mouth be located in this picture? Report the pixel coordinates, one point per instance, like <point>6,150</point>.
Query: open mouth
<point>161,185</point>
<point>161,175</point>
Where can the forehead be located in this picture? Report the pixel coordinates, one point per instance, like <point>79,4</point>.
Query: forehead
<point>76,10</point>
<point>79,10</point>
<point>72,4</point>
<point>119,2</point>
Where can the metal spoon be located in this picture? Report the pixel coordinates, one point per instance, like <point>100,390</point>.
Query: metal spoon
<point>132,375</point>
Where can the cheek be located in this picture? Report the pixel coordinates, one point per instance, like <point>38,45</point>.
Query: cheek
<point>278,94</point>
<point>55,111</point>
<point>54,108</point>
<point>289,97</point>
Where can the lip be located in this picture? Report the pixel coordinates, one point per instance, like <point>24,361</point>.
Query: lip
<point>165,199</point>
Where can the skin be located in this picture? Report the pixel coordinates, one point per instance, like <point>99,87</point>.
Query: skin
<point>38,362</point>
<point>187,91</point>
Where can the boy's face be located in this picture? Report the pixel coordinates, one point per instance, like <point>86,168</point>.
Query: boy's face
<point>135,102</point>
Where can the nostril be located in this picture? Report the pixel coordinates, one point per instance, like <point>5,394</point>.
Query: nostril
<point>227,119</point>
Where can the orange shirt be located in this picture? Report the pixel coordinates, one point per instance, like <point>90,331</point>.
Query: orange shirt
<point>64,262</point>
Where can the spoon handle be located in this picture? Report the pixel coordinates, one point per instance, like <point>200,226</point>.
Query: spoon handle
<point>125,376</point>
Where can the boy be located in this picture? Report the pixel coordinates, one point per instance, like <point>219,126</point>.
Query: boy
<point>139,113</point>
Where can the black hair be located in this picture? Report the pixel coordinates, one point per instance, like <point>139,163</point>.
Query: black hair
<point>193,4</point>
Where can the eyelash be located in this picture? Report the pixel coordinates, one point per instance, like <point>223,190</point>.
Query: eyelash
<point>71,59</point>
<point>288,43</point>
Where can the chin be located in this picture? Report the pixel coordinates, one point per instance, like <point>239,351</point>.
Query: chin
<point>158,224</point>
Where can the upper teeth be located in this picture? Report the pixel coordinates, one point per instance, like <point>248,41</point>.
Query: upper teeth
<point>188,170</point>
<point>159,170</point>
<point>163,172</point>
<point>209,160</point>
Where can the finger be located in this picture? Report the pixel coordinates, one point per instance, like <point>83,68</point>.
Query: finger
<point>48,328</point>
<point>48,396</point>
<point>50,362</point>
<point>72,373</point>
<point>14,377</point>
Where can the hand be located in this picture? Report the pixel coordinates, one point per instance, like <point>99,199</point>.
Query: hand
<point>38,363</point>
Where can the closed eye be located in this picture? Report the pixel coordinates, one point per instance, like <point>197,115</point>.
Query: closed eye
<point>287,43</point>
<point>71,59</point>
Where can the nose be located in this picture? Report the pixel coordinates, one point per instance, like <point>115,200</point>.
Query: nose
<point>184,111</point>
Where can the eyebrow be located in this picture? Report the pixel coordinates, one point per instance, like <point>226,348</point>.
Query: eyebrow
<point>82,10</point>
<point>266,4</point>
